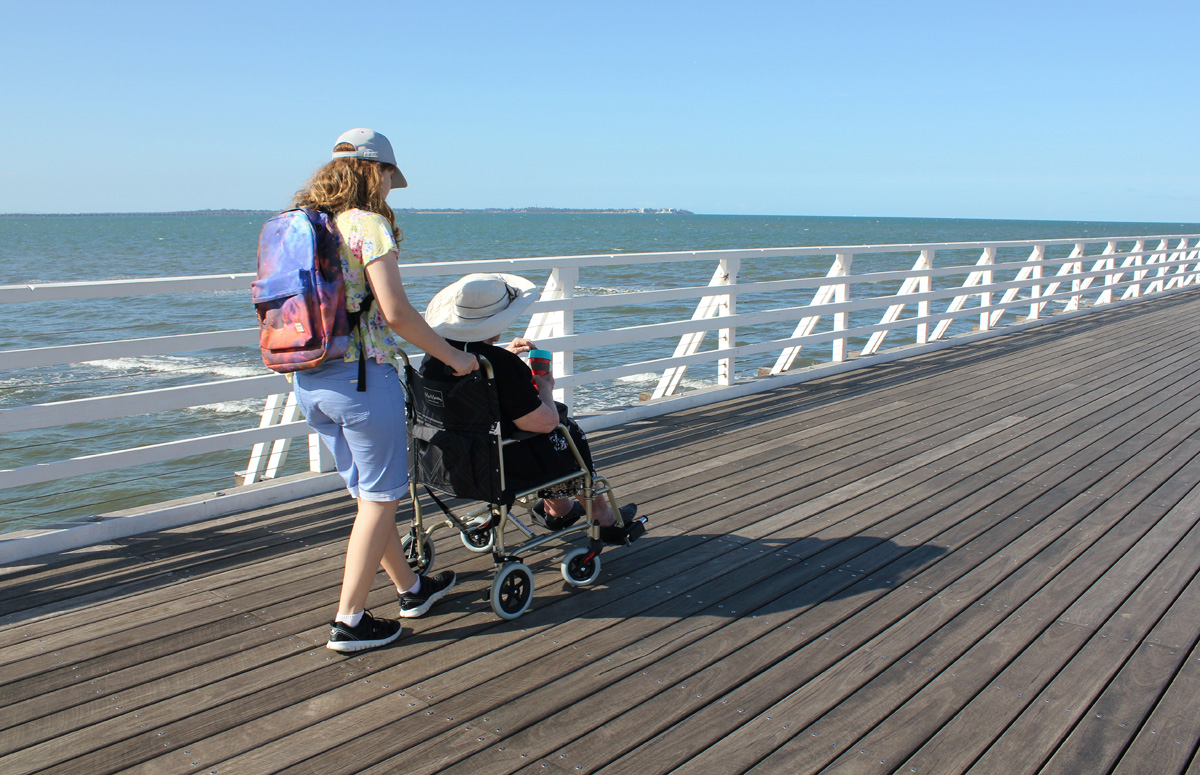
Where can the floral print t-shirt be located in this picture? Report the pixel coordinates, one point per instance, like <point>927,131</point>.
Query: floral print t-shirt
<point>366,236</point>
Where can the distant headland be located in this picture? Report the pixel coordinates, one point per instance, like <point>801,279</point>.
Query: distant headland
<point>417,210</point>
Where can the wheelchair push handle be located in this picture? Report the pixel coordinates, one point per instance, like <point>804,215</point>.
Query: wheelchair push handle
<point>485,370</point>
<point>485,366</point>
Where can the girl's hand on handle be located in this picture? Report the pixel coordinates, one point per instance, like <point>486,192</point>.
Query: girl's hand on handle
<point>463,364</point>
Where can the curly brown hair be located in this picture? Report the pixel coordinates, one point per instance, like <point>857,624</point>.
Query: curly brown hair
<point>349,183</point>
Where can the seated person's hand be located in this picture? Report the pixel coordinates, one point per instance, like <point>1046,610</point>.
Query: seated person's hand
<point>520,345</point>
<point>464,364</point>
<point>544,382</point>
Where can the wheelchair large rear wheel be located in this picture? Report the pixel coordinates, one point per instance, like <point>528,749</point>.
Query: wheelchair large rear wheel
<point>578,570</point>
<point>512,590</point>
<point>410,552</point>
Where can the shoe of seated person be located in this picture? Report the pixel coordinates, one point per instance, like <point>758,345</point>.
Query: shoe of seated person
<point>578,511</point>
<point>432,589</point>
<point>629,530</point>
<point>370,633</point>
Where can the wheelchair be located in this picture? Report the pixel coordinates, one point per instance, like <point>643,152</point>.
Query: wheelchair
<point>456,448</point>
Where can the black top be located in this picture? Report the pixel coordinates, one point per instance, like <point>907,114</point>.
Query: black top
<point>514,381</point>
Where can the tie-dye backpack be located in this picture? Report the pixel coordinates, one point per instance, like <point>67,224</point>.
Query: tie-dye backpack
<point>300,295</point>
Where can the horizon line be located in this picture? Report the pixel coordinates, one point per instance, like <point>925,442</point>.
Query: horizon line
<point>536,210</point>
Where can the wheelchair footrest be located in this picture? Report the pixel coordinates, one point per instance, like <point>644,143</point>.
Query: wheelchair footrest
<point>624,535</point>
<point>635,530</point>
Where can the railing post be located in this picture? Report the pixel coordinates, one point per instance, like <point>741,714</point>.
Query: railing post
<point>924,285</point>
<point>279,449</point>
<point>320,459</point>
<point>1035,290</point>
<point>272,410</point>
<point>1026,272</point>
<point>1110,263</point>
<point>727,337</point>
<point>1186,257</point>
<point>1160,258</point>
<point>709,306</point>
<point>1134,262</point>
<point>843,262</point>
<point>1192,255</point>
<point>1075,268</point>
<point>560,285</point>
<point>1179,258</point>
<point>806,325</point>
<point>986,278</point>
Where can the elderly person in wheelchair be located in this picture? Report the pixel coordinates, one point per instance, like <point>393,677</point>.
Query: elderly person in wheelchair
<point>471,315</point>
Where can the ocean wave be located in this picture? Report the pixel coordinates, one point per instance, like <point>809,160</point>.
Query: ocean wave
<point>643,378</point>
<point>177,365</point>
<point>651,378</point>
<point>600,290</point>
<point>252,406</point>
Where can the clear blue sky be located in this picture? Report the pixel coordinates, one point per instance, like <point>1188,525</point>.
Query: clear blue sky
<point>1042,110</point>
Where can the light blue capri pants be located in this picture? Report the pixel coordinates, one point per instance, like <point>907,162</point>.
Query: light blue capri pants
<point>366,431</point>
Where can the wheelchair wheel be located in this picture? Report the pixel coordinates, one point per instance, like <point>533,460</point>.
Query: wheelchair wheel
<point>512,590</point>
<point>578,571</point>
<point>410,553</point>
<point>478,541</point>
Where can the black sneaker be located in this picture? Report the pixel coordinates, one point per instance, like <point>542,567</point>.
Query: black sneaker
<point>558,523</point>
<point>371,633</point>
<point>433,589</point>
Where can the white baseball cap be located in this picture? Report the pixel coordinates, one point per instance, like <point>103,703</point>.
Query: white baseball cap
<point>369,144</point>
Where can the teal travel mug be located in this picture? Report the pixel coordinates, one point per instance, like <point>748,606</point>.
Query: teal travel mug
<point>539,361</point>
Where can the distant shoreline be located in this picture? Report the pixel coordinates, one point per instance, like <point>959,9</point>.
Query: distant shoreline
<point>416,210</point>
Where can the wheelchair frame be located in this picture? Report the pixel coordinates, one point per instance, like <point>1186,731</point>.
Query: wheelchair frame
<point>482,528</point>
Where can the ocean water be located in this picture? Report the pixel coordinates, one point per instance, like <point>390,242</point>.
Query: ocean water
<point>35,249</point>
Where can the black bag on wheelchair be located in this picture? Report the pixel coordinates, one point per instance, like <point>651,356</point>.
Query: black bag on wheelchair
<point>455,435</point>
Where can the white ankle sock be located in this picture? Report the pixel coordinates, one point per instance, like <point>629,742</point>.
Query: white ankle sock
<point>350,620</point>
<point>414,589</point>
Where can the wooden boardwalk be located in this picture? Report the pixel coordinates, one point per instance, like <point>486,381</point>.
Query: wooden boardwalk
<point>981,560</point>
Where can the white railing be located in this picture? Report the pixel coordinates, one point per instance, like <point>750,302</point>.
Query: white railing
<point>839,319</point>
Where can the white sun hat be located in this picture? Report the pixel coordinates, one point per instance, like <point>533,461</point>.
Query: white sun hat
<point>479,306</point>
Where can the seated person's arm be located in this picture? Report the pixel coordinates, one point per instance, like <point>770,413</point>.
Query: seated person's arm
<point>520,345</point>
<point>545,418</point>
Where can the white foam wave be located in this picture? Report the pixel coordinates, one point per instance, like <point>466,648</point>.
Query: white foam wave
<point>177,365</point>
<point>643,378</point>
<point>246,406</point>
<point>652,378</point>
<point>600,290</point>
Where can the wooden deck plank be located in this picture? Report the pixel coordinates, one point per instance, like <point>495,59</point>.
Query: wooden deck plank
<point>761,688</point>
<point>958,590</point>
<point>805,544</point>
<point>956,745</point>
<point>1032,739</point>
<point>935,656</point>
<point>1014,660</point>
<point>1166,743</point>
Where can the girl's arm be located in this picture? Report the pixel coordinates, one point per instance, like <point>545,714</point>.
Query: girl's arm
<point>383,274</point>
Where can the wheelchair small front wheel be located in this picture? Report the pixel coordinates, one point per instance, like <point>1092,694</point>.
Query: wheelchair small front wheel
<point>580,570</point>
<point>415,562</point>
<point>512,590</point>
<point>479,540</point>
